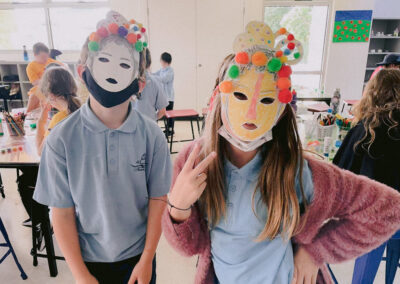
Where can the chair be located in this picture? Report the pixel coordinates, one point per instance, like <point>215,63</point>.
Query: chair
<point>366,266</point>
<point>8,245</point>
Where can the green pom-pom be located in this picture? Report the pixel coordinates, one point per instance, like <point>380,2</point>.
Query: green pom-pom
<point>139,46</point>
<point>145,44</point>
<point>234,71</point>
<point>93,46</point>
<point>296,55</point>
<point>274,65</point>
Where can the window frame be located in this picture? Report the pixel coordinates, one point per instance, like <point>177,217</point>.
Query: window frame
<point>328,3</point>
<point>47,5</point>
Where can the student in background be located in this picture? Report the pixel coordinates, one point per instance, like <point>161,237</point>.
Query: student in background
<point>35,70</point>
<point>248,201</point>
<point>152,101</point>
<point>390,61</point>
<point>59,89</point>
<point>166,76</point>
<point>102,168</point>
<point>372,147</point>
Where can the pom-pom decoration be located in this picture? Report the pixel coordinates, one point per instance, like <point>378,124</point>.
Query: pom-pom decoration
<point>142,30</point>
<point>282,31</point>
<point>135,28</point>
<point>102,32</point>
<point>93,46</point>
<point>145,44</point>
<point>131,38</point>
<point>259,58</point>
<point>132,21</point>
<point>226,87</point>
<point>290,37</point>
<point>279,53</point>
<point>287,52</point>
<point>291,45</point>
<point>283,83</point>
<point>122,31</point>
<point>274,65</point>
<point>284,59</point>
<point>113,28</point>
<point>94,37</point>
<point>285,72</point>
<point>233,71</point>
<point>139,36</point>
<point>285,96</point>
<point>242,58</point>
<point>139,46</point>
<point>296,55</point>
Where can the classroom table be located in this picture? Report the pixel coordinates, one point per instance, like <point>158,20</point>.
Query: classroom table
<point>21,153</point>
<point>179,115</point>
<point>319,107</point>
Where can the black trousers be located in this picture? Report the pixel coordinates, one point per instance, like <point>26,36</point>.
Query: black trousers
<point>26,186</point>
<point>116,272</point>
<point>170,122</point>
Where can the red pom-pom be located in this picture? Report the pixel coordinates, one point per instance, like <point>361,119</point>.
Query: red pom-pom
<point>279,53</point>
<point>113,28</point>
<point>291,45</point>
<point>290,37</point>
<point>102,32</point>
<point>242,58</point>
<point>143,30</point>
<point>138,36</point>
<point>131,38</point>
<point>285,96</point>
<point>285,72</point>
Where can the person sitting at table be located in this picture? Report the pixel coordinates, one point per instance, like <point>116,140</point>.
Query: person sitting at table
<point>372,146</point>
<point>391,60</point>
<point>59,88</point>
<point>35,70</point>
<point>152,101</point>
<point>166,76</point>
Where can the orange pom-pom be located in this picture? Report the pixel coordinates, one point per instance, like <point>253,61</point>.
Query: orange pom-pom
<point>131,38</point>
<point>226,87</point>
<point>279,53</point>
<point>242,58</point>
<point>132,21</point>
<point>282,31</point>
<point>126,26</point>
<point>283,83</point>
<point>113,28</point>
<point>285,96</point>
<point>259,58</point>
<point>94,37</point>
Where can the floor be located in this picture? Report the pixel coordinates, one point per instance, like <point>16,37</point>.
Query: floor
<point>171,267</point>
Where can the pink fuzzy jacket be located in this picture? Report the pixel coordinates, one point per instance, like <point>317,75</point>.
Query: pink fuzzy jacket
<point>349,216</point>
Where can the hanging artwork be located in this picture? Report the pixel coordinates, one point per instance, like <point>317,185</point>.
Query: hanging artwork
<point>352,26</point>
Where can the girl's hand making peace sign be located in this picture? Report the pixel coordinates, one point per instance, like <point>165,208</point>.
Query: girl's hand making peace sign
<point>189,185</point>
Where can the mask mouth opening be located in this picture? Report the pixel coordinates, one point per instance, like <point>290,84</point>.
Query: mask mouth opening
<point>249,126</point>
<point>111,81</point>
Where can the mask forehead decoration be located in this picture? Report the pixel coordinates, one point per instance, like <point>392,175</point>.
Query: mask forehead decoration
<point>257,84</point>
<point>113,61</point>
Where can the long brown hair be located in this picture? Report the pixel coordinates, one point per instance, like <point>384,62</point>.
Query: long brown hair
<point>59,82</point>
<point>282,160</point>
<point>379,106</point>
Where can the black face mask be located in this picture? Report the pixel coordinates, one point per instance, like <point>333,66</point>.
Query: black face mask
<point>106,98</point>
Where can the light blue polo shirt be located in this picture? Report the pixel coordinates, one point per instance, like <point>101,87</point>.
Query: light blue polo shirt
<point>108,176</point>
<point>166,76</point>
<point>152,98</point>
<point>236,256</point>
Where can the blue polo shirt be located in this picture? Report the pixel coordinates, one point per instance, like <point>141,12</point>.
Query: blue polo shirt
<point>236,255</point>
<point>107,175</point>
<point>152,98</point>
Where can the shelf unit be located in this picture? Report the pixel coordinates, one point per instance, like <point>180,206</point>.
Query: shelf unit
<point>19,68</point>
<point>388,44</point>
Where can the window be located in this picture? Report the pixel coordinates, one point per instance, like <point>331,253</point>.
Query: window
<point>308,23</point>
<point>61,24</point>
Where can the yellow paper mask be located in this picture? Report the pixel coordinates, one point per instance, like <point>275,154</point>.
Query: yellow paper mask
<point>257,85</point>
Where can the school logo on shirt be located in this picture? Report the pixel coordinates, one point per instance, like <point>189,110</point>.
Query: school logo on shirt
<point>140,165</point>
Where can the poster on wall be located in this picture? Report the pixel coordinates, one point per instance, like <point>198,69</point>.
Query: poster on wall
<point>352,26</point>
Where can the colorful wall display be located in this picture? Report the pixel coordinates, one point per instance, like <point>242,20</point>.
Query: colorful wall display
<point>352,26</point>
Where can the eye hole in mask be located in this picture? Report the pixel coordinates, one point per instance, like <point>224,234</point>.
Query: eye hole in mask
<point>125,66</point>
<point>103,59</point>
<point>240,96</point>
<point>267,101</point>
